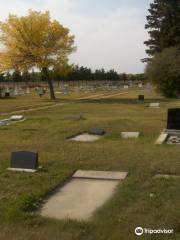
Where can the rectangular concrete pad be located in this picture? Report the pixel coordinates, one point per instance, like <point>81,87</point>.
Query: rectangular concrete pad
<point>100,175</point>
<point>79,199</point>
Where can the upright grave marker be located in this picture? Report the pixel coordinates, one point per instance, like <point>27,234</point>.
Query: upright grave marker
<point>173,122</point>
<point>141,98</point>
<point>24,161</point>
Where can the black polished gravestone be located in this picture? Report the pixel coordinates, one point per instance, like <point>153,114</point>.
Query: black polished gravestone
<point>24,160</point>
<point>96,131</point>
<point>173,122</point>
<point>141,98</point>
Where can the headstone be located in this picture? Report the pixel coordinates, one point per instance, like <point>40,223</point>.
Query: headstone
<point>24,160</point>
<point>141,98</point>
<point>16,117</point>
<point>27,91</point>
<point>4,122</point>
<point>127,135</point>
<point>173,121</point>
<point>154,105</point>
<point>96,131</point>
<point>126,86</point>
<point>85,137</point>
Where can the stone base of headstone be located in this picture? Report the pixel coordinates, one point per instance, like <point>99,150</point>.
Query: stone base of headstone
<point>22,170</point>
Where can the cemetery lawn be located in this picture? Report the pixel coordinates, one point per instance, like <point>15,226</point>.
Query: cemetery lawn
<point>140,200</point>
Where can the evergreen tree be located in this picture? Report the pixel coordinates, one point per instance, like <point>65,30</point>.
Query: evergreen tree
<point>163,26</point>
<point>26,76</point>
<point>16,76</point>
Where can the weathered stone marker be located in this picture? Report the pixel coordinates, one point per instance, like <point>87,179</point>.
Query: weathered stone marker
<point>96,131</point>
<point>16,118</point>
<point>173,121</point>
<point>127,135</point>
<point>154,105</point>
<point>24,161</point>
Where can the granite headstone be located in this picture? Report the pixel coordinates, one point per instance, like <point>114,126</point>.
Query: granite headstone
<point>24,160</point>
<point>173,121</point>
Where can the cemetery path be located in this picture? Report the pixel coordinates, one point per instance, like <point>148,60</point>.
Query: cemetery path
<point>97,96</point>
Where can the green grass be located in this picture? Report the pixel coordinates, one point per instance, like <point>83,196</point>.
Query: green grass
<point>47,131</point>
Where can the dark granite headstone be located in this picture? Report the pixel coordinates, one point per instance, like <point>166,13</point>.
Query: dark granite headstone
<point>96,131</point>
<point>141,98</point>
<point>24,160</point>
<point>173,121</point>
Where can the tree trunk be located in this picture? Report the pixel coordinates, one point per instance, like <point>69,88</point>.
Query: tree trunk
<point>48,79</point>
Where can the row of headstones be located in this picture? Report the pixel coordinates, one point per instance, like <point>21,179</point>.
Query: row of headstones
<point>11,92</point>
<point>28,161</point>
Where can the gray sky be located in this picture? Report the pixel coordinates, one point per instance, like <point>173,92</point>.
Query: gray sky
<point>108,34</point>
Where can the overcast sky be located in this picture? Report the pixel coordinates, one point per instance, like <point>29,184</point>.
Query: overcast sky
<point>108,33</point>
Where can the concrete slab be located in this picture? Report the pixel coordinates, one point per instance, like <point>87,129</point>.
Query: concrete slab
<point>100,175</point>
<point>79,199</point>
<point>127,135</point>
<point>85,137</point>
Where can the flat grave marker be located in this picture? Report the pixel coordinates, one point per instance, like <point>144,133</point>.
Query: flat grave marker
<point>96,131</point>
<point>85,137</point>
<point>16,117</point>
<point>74,117</point>
<point>154,105</point>
<point>127,135</point>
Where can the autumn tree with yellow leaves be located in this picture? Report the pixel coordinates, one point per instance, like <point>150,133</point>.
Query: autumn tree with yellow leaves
<point>34,41</point>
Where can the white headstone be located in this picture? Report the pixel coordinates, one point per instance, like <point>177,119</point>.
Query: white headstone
<point>127,135</point>
<point>16,117</point>
<point>154,105</point>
